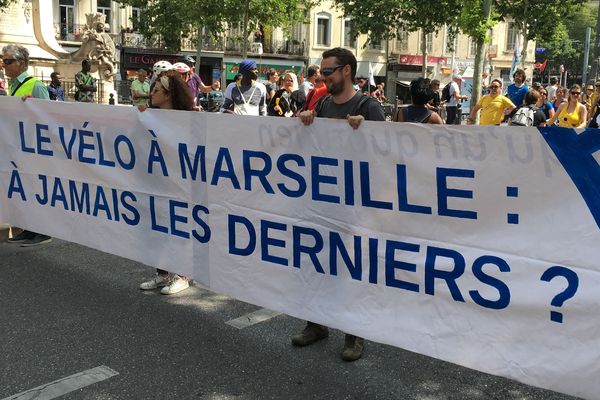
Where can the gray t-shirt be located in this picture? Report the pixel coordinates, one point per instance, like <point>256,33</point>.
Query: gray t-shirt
<point>371,109</point>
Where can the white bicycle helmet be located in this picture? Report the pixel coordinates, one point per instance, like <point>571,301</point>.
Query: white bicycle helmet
<point>162,66</point>
<point>181,67</point>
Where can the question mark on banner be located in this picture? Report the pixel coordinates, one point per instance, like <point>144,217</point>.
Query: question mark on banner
<point>570,290</point>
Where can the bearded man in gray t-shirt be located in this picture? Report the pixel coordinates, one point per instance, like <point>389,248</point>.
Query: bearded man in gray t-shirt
<point>338,69</point>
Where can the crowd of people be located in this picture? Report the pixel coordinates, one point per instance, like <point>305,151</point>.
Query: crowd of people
<point>517,105</point>
<point>330,90</point>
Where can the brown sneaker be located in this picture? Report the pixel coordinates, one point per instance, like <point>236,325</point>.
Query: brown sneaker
<point>353,348</point>
<point>310,334</point>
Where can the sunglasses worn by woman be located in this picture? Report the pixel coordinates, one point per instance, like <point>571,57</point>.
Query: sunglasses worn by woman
<point>571,114</point>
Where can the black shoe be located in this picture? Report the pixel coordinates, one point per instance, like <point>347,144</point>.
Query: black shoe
<point>37,239</point>
<point>21,237</point>
<point>353,348</point>
<point>310,334</point>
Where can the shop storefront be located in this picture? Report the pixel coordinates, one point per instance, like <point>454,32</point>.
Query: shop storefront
<point>134,59</point>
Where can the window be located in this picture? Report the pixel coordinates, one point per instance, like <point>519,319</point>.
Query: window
<point>135,17</point>
<point>66,12</point>
<point>378,46</point>
<point>511,37</point>
<point>323,29</point>
<point>104,7</point>
<point>349,40</point>
<point>472,47</point>
<point>429,42</point>
<point>402,40</point>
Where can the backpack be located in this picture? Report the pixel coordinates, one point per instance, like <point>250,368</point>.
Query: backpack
<point>446,92</point>
<point>524,116</point>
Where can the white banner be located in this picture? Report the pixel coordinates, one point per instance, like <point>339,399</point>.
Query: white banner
<point>475,245</point>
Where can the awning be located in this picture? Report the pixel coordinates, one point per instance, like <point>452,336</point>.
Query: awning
<point>402,83</point>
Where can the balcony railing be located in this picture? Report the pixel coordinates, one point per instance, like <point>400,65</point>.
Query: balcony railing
<point>227,44</point>
<point>73,32</point>
<point>208,44</point>
<point>283,47</point>
<point>69,32</point>
<point>132,39</point>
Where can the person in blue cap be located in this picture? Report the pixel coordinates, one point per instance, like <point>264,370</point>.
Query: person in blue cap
<point>247,96</point>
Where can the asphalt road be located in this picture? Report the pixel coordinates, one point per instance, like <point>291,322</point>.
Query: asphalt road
<point>65,309</point>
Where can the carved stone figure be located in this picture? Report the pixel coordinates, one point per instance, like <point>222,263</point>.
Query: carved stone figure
<point>98,46</point>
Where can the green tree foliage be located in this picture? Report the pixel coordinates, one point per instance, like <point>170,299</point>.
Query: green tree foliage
<point>6,3</point>
<point>476,19</point>
<point>381,19</point>
<point>566,45</point>
<point>174,19</point>
<point>536,20</point>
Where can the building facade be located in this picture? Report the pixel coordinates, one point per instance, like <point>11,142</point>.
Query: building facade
<point>53,30</point>
<point>405,59</point>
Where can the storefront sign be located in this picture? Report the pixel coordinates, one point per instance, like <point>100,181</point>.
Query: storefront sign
<point>408,59</point>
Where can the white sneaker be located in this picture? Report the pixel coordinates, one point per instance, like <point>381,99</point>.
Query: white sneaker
<point>177,285</point>
<point>158,280</point>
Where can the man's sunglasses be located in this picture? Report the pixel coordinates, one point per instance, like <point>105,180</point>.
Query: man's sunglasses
<point>9,61</point>
<point>495,86</point>
<point>330,70</point>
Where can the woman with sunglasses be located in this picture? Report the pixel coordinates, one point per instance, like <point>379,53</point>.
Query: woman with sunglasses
<point>493,106</point>
<point>170,92</point>
<point>571,114</point>
<point>287,100</point>
<point>544,105</point>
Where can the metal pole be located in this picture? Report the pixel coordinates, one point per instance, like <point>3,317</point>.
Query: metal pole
<point>586,55</point>
<point>199,50</point>
<point>453,57</point>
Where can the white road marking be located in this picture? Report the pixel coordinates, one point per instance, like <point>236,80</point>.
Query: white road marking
<point>253,318</point>
<point>66,385</point>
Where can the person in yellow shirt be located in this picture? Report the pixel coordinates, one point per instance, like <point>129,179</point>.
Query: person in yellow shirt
<point>571,114</point>
<point>493,106</point>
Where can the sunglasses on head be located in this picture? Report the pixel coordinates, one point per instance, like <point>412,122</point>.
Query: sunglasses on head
<point>330,70</point>
<point>9,61</point>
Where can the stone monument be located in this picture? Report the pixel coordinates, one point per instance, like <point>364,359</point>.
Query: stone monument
<point>98,47</point>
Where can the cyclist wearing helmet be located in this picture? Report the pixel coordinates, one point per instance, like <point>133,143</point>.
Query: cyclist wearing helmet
<point>191,77</point>
<point>159,69</point>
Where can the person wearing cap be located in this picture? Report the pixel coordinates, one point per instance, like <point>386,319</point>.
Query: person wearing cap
<point>453,105</point>
<point>159,69</point>
<point>248,96</point>
<point>192,79</point>
<point>517,90</point>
